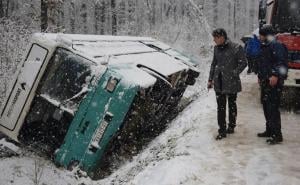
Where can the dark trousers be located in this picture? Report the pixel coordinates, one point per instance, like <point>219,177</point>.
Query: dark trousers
<point>221,101</point>
<point>252,65</point>
<point>270,98</point>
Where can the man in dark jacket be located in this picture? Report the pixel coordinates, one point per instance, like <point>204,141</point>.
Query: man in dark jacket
<point>272,70</point>
<point>228,62</point>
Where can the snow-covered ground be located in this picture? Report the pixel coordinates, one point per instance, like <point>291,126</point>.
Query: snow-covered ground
<point>187,153</point>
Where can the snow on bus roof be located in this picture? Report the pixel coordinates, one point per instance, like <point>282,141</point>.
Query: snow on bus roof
<point>122,52</point>
<point>160,62</point>
<point>103,48</point>
<point>83,37</point>
<point>136,76</point>
<point>102,45</point>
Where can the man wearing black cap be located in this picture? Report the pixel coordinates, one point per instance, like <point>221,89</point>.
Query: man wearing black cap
<point>228,62</point>
<point>272,70</point>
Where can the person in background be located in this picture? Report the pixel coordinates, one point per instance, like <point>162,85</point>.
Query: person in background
<point>252,50</point>
<point>272,71</point>
<point>228,62</point>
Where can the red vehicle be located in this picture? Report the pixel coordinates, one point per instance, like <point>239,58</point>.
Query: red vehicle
<point>284,15</point>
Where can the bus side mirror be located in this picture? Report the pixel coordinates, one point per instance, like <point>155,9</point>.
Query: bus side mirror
<point>58,114</point>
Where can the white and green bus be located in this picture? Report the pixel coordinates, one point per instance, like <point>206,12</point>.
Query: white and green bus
<point>75,96</point>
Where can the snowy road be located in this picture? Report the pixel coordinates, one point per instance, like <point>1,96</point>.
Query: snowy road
<point>186,153</point>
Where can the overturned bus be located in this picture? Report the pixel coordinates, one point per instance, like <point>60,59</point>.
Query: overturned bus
<point>75,95</point>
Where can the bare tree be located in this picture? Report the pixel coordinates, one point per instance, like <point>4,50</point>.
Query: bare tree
<point>132,17</point>
<point>44,15</point>
<point>102,9</point>
<point>1,9</point>
<point>235,18</point>
<point>72,16</point>
<point>114,17</point>
<point>97,16</point>
<point>7,8</point>
<point>215,6</point>
<point>60,17</point>
<point>83,15</point>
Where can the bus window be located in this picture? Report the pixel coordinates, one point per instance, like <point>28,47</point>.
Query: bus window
<point>65,77</point>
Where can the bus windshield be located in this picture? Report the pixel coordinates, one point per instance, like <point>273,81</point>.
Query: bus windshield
<point>65,77</point>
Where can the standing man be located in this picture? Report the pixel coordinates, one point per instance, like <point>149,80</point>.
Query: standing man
<point>228,62</point>
<point>272,70</point>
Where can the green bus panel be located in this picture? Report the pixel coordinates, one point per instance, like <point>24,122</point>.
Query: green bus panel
<point>100,112</point>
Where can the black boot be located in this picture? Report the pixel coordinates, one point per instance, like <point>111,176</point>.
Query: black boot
<point>230,130</point>
<point>275,140</point>
<point>221,136</point>
<point>264,134</point>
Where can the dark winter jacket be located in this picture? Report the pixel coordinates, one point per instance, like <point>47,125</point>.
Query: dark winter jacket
<point>228,62</point>
<point>273,60</point>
